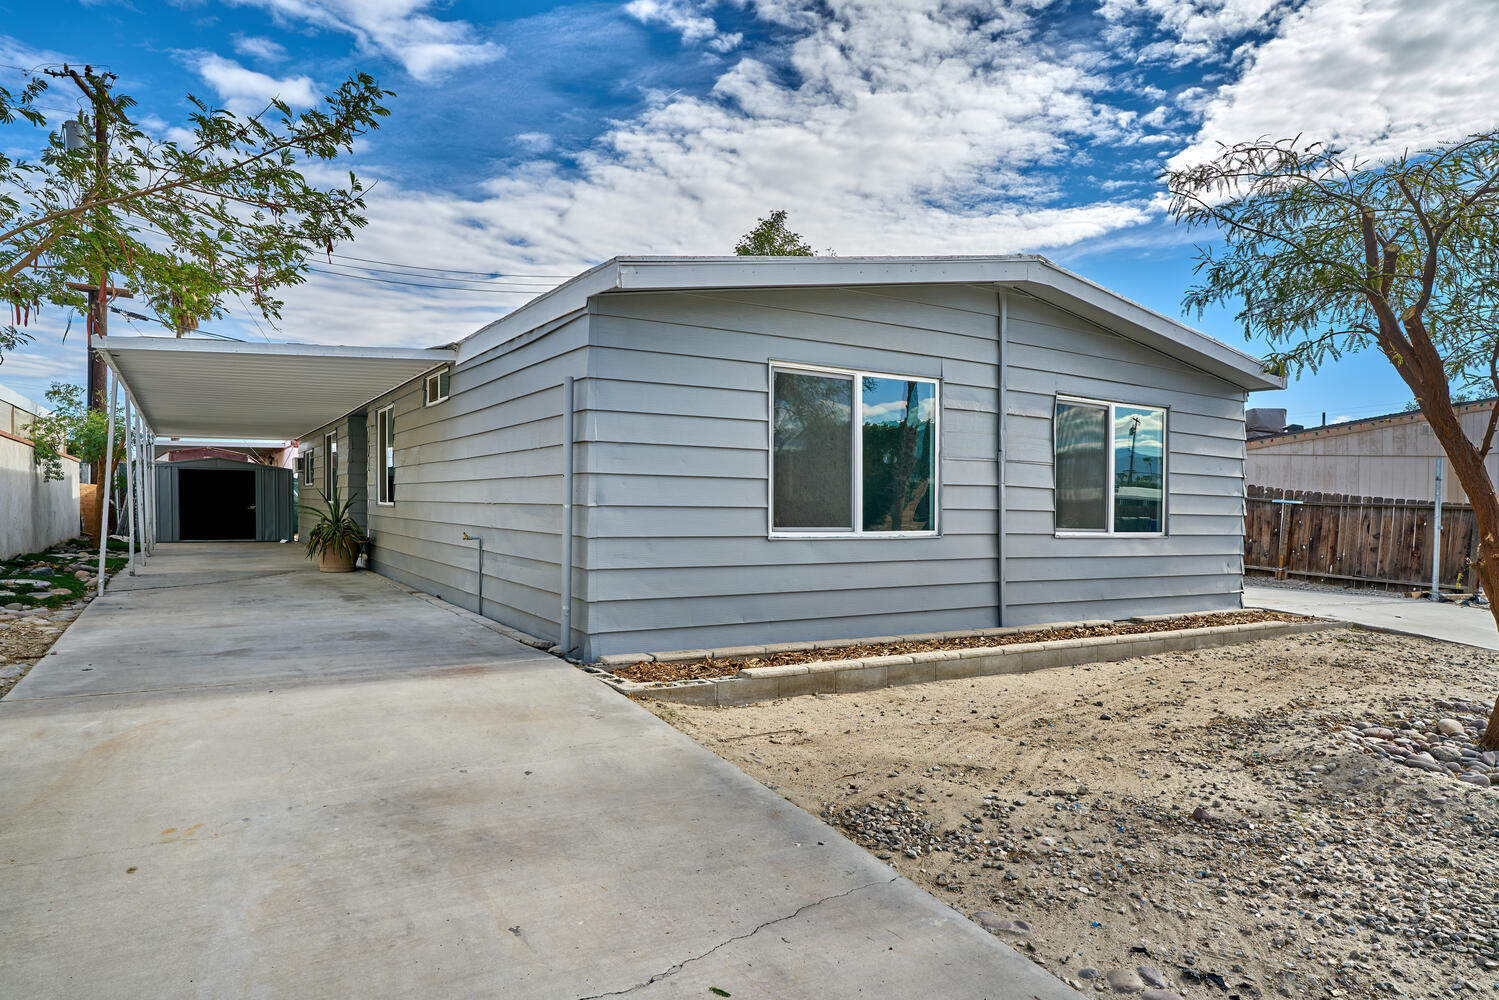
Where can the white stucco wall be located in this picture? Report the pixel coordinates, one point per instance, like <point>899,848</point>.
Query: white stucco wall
<point>34,513</point>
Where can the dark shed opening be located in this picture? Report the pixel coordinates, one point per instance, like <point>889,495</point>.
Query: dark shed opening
<point>216,504</point>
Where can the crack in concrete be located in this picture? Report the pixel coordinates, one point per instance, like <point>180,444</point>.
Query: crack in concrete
<point>673,970</point>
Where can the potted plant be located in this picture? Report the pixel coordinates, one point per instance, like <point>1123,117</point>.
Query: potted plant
<point>336,538</point>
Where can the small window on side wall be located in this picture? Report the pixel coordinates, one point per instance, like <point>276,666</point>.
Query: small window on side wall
<point>385,456</point>
<point>853,453</point>
<point>1110,467</point>
<point>438,386</point>
<point>330,466</point>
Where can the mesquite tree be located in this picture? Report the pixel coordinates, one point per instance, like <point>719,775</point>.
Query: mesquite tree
<point>220,209</point>
<point>771,238</point>
<point>1327,255</point>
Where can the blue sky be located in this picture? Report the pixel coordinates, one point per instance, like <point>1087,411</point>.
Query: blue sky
<point>533,139</point>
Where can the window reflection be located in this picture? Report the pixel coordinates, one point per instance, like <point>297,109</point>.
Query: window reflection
<point>1139,468</point>
<point>900,454</point>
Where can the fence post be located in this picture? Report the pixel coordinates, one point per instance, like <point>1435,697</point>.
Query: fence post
<point>1285,543</point>
<point>1436,538</point>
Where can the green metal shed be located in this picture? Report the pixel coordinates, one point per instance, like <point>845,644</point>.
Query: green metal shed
<point>219,499</point>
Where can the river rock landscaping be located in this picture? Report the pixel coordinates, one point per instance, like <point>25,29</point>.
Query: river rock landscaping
<point>40,595</point>
<point>1237,822</point>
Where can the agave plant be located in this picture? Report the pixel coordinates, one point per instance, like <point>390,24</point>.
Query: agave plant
<point>335,532</point>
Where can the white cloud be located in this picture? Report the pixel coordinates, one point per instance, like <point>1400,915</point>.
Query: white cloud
<point>17,56</point>
<point>688,18</point>
<point>895,128</point>
<point>1373,76</point>
<point>1195,29</point>
<point>425,46</point>
<point>534,142</point>
<point>257,47</point>
<point>246,91</point>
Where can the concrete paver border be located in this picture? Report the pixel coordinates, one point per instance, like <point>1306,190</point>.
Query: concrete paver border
<point>767,683</point>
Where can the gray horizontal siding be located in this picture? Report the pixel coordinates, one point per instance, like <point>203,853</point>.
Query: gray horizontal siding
<point>488,461</point>
<point>676,455</point>
<point>1198,564</point>
<point>673,467</point>
<point>349,476</point>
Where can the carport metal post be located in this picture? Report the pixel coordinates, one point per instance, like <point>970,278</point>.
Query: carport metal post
<point>140,461</point>
<point>130,482</point>
<point>150,492</point>
<point>109,452</point>
<point>140,468</point>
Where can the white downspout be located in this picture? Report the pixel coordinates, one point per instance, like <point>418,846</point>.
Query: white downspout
<point>1004,373</point>
<point>565,624</point>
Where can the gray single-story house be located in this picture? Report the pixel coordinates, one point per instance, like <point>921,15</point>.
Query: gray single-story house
<point>737,450</point>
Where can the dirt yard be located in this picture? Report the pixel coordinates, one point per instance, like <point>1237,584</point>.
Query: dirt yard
<point>1210,823</point>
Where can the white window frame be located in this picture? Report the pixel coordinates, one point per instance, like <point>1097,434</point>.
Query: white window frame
<point>857,531</point>
<point>330,471</point>
<point>427,399</point>
<point>386,413</point>
<point>1109,406</point>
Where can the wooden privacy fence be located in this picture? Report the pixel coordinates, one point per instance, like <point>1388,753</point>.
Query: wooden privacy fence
<point>1365,539</point>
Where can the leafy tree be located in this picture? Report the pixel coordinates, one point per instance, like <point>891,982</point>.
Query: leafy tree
<point>771,238</point>
<point>185,224</point>
<point>74,429</point>
<point>1326,255</point>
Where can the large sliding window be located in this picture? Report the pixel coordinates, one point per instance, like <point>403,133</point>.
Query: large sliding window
<point>852,453</point>
<point>1110,467</point>
<point>385,456</point>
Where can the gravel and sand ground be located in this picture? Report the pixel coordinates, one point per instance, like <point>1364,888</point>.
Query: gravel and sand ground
<point>1280,818</point>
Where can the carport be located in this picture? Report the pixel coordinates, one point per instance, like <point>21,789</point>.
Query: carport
<point>179,387</point>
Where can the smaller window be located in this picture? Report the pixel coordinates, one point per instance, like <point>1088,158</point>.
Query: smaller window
<point>330,465</point>
<point>438,384</point>
<point>1110,467</point>
<point>385,458</point>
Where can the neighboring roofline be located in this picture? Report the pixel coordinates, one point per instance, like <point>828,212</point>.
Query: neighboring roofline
<point>20,402</point>
<point>1028,272</point>
<point>1364,423</point>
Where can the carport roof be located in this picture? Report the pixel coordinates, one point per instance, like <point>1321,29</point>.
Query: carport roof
<point>203,388</point>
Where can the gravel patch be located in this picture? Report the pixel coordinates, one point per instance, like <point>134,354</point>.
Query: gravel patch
<point>1308,586</point>
<point>1221,823</point>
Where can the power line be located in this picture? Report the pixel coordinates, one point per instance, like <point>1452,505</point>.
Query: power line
<point>418,284</point>
<point>492,285</point>
<point>246,310</point>
<point>451,270</point>
<point>152,319</point>
<point>411,273</point>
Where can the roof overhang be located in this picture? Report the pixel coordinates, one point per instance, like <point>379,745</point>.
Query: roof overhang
<point>1028,273</point>
<point>206,388</point>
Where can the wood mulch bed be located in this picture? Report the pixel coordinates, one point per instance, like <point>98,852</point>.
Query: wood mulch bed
<point>648,672</point>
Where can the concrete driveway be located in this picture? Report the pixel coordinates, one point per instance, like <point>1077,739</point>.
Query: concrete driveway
<point>1470,626</point>
<point>235,777</point>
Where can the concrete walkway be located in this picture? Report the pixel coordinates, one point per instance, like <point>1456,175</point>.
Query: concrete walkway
<point>238,777</point>
<point>1472,626</point>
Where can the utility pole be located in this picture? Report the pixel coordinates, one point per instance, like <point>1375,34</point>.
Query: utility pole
<point>95,87</point>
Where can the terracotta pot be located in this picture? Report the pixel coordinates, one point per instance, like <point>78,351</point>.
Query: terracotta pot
<point>339,561</point>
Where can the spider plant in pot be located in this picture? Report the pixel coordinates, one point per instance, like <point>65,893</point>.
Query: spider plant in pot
<point>335,538</point>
